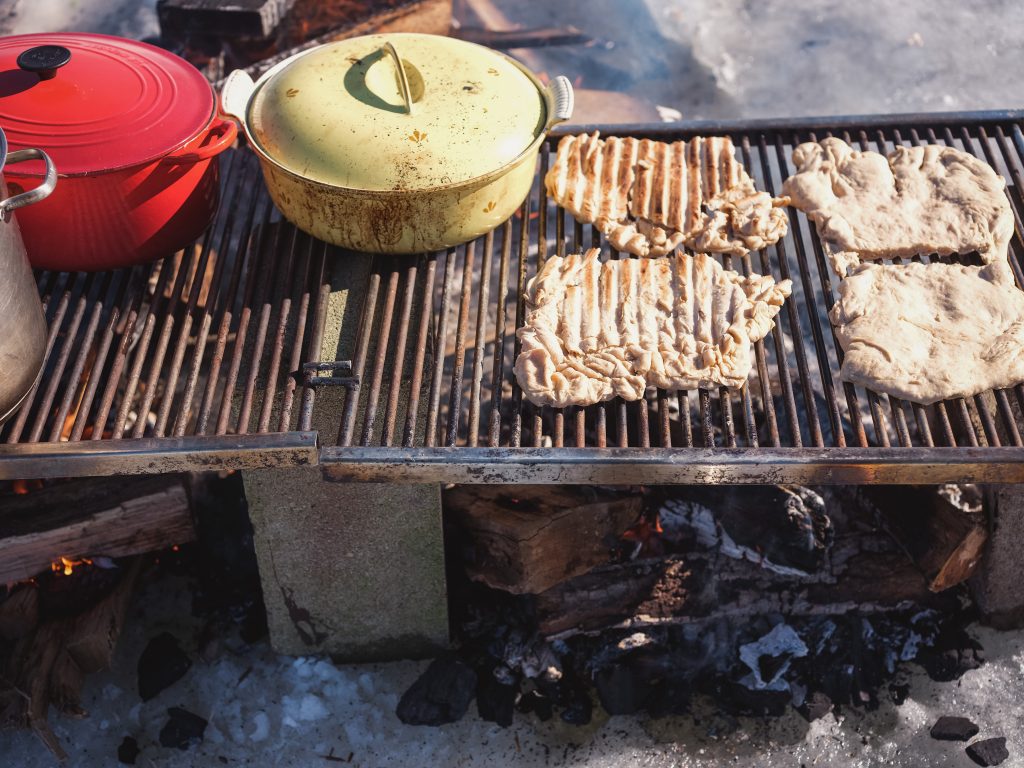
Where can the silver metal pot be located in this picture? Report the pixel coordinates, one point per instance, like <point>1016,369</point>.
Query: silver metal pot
<point>22,322</point>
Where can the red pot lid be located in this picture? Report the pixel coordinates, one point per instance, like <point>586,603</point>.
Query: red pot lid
<point>98,103</point>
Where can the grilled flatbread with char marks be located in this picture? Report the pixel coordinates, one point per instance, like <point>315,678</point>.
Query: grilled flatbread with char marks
<point>595,330</point>
<point>915,201</point>
<point>649,197</point>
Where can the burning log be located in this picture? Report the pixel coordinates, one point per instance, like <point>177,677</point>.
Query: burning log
<point>48,663</point>
<point>526,539</point>
<point>749,552</point>
<point>695,587</point>
<point>115,517</point>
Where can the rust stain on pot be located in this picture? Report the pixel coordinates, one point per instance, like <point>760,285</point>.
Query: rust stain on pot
<point>292,92</point>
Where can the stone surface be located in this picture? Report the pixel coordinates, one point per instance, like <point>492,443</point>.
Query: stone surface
<point>948,728</point>
<point>353,570</point>
<point>988,751</point>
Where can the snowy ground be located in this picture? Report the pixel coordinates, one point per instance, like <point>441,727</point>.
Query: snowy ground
<point>269,710</point>
<point>128,18</point>
<point>736,58</point>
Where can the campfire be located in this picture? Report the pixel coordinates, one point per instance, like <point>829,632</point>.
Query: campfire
<point>777,542</point>
<point>757,600</point>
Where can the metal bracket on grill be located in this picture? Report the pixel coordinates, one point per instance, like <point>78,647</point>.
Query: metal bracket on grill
<point>312,375</point>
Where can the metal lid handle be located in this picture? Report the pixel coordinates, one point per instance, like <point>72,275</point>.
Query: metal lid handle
<point>44,60</point>
<point>33,195</point>
<point>403,81</point>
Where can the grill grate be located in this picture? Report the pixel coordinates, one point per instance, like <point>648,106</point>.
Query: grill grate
<point>470,302</point>
<point>212,357</point>
<point>199,344</point>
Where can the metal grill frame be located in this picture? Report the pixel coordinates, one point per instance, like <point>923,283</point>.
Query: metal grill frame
<point>732,437</point>
<point>436,337</point>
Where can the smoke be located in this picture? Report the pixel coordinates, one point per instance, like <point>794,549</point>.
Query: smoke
<point>127,18</point>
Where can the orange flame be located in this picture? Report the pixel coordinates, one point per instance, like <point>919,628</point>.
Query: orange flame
<point>67,565</point>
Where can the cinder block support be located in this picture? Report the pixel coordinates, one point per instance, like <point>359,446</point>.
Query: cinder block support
<point>352,570</point>
<point>998,584</point>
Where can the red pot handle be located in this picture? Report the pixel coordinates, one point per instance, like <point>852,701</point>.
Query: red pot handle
<point>224,131</point>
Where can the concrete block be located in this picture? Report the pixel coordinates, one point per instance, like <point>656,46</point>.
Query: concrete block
<point>352,570</point>
<point>998,584</point>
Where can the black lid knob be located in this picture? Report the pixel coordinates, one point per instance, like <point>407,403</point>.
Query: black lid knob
<point>44,60</point>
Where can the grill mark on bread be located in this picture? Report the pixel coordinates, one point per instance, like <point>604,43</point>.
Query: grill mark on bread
<point>675,323</point>
<point>647,197</point>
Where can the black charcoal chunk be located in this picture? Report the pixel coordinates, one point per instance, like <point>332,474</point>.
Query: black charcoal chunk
<point>988,751</point>
<point>161,664</point>
<point>183,730</point>
<point>815,706</point>
<point>948,728</point>
<point>128,751</point>
<point>441,694</point>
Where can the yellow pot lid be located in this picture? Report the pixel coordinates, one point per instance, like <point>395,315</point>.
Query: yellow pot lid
<point>340,114</point>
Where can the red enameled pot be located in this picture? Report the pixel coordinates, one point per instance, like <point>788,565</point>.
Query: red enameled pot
<point>134,133</point>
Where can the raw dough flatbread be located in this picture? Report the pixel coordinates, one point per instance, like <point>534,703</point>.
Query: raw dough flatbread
<point>931,332</point>
<point>912,202</point>
<point>595,331</point>
<point>649,197</point>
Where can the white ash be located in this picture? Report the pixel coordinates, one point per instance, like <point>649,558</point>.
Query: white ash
<point>679,517</point>
<point>781,642</point>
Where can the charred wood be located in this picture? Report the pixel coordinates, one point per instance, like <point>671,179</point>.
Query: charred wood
<point>523,38</point>
<point>115,517</point>
<point>701,587</point>
<point>526,539</point>
<point>943,530</point>
<point>234,18</point>
<point>48,665</point>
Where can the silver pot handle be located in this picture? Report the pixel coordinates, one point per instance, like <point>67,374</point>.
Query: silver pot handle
<point>33,195</point>
<point>560,101</point>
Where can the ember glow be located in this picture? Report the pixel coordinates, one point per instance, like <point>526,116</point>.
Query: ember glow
<point>67,565</point>
<point>22,487</point>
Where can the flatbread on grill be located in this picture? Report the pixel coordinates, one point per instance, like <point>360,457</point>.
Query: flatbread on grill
<point>913,201</point>
<point>929,332</point>
<point>649,197</point>
<point>594,331</point>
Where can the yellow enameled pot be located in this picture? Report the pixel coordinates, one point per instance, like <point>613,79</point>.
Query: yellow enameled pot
<point>400,143</point>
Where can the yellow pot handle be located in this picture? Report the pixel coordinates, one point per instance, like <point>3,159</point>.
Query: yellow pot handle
<point>403,81</point>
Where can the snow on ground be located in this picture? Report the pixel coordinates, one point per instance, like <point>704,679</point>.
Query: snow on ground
<point>270,710</point>
<point>828,57</point>
<point>128,18</point>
